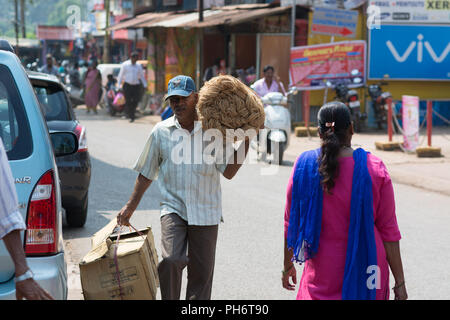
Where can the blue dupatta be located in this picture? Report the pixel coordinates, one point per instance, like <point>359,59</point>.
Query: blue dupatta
<point>306,219</point>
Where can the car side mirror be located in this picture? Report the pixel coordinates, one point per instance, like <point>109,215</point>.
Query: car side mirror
<point>64,143</point>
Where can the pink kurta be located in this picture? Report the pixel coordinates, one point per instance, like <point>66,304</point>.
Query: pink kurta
<point>323,275</point>
<point>93,87</point>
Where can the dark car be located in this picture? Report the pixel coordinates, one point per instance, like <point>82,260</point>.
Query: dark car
<point>74,170</point>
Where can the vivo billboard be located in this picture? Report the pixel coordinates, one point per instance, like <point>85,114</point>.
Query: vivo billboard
<point>410,52</point>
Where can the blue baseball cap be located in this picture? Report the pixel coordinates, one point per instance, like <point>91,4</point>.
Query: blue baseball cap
<point>180,86</point>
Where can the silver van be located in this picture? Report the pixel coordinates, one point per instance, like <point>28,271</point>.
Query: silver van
<point>31,152</point>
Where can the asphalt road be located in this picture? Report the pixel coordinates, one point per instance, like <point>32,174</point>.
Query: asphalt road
<point>250,243</point>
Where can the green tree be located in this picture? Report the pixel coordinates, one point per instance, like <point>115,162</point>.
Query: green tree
<point>38,12</point>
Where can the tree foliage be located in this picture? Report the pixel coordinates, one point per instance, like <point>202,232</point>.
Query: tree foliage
<point>38,12</point>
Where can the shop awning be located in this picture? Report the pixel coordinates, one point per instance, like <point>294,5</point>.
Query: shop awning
<point>228,15</point>
<point>23,42</point>
<point>139,19</point>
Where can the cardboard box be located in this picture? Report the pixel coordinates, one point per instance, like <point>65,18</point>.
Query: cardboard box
<point>137,264</point>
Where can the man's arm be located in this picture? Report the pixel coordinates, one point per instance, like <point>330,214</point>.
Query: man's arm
<point>141,185</point>
<point>13,243</point>
<point>280,85</point>
<point>28,289</point>
<point>142,77</point>
<point>233,168</point>
<point>120,76</point>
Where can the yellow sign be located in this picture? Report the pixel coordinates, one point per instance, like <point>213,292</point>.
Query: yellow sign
<point>438,5</point>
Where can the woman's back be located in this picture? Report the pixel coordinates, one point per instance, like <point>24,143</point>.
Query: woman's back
<point>323,275</point>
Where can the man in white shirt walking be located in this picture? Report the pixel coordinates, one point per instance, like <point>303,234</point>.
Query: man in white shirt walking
<point>131,79</point>
<point>191,204</point>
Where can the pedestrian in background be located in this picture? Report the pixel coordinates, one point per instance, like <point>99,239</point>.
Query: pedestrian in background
<point>269,83</point>
<point>191,204</point>
<point>132,81</point>
<point>340,219</point>
<point>74,76</point>
<point>11,223</point>
<point>212,71</point>
<point>49,67</point>
<point>92,87</point>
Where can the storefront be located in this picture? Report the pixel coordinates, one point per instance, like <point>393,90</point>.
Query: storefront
<point>241,35</point>
<point>55,40</point>
<point>412,57</point>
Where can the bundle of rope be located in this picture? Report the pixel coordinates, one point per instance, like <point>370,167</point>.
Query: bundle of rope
<point>226,103</point>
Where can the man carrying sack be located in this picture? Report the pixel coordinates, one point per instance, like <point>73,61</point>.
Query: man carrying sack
<point>191,208</point>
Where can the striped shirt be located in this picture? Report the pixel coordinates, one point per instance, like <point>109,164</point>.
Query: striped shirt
<point>10,217</point>
<point>190,188</point>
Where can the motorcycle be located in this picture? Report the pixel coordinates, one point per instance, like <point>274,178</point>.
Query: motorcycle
<point>34,66</point>
<point>379,102</point>
<point>274,139</point>
<point>351,99</point>
<point>75,94</point>
<point>74,88</point>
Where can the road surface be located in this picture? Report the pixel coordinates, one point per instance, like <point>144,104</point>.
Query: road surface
<point>250,242</point>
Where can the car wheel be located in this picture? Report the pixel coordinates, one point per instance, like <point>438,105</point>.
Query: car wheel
<point>76,216</point>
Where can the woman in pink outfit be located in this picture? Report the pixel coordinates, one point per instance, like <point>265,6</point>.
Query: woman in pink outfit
<point>92,87</point>
<point>325,270</point>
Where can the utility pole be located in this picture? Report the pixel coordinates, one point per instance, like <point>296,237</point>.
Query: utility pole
<point>107,38</point>
<point>22,18</point>
<point>199,44</point>
<point>16,24</point>
<point>293,17</point>
<point>200,10</point>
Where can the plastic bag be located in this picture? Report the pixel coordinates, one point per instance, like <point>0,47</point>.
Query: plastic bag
<point>119,100</point>
<point>111,94</point>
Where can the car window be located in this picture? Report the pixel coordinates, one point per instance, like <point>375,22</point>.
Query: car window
<point>14,127</point>
<point>53,102</point>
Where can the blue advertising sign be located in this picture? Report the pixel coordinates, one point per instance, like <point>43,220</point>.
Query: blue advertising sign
<point>410,52</point>
<point>334,22</point>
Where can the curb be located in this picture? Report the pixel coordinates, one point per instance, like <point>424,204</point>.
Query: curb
<point>419,181</point>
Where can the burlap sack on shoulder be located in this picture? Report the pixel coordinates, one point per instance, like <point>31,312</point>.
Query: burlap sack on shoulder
<point>226,103</point>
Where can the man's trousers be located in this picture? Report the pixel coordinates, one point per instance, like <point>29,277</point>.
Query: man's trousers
<point>177,237</point>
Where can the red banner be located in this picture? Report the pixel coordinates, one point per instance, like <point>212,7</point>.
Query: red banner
<point>312,66</point>
<point>54,33</point>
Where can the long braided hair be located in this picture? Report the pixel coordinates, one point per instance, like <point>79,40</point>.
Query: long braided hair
<point>334,120</point>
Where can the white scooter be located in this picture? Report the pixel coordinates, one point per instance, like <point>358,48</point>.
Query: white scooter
<point>274,139</point>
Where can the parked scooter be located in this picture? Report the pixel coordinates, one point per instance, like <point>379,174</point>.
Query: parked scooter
<point>34,66</point>
<point>274,139</point>
<point>379,102</point>
<point>74,88</point>
<point>351,99</point>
